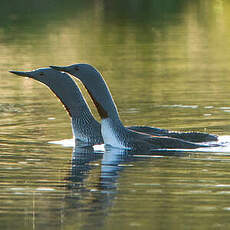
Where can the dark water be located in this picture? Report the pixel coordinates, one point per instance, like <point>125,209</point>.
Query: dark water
<point>167,64</point>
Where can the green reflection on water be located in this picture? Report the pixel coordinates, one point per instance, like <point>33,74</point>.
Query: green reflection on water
<point>167,64</point>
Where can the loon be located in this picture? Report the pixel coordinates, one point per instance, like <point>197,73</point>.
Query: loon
<point>113,132</point>
<point>86,129</point>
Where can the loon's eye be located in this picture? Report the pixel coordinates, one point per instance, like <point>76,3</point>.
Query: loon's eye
<point>76,68</point>
<point>41,74</point>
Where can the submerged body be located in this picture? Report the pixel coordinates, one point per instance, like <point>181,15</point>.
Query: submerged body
<point>112,129</point>
<point>119,136</point>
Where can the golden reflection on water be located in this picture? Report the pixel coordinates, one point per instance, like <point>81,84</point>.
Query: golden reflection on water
<point>167,66</point>
<point>182,60</point>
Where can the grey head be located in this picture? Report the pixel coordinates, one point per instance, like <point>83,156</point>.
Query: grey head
<point>84,72</point>
<point>47,76</point>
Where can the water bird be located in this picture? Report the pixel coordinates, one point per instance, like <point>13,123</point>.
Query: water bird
<point>112,129</point>
<point>86,129</point>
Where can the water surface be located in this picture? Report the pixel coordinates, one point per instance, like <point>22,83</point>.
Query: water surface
<point>167,65</point>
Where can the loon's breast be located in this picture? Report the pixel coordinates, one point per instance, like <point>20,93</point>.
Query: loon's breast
<point>110,136</point>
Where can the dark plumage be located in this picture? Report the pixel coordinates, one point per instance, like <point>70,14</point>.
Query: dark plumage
<point>114,133</point>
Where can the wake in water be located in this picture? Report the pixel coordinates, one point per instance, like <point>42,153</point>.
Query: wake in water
<point>223,142</point>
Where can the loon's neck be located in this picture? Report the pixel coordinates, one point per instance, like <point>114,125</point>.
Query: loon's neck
<point>101,96</point>
<point>114,133</point>
<point>112,129</point>
<point>84,126</point>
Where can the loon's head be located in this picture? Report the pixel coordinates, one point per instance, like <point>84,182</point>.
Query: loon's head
<point>44,75</point>
<point>84,72</point>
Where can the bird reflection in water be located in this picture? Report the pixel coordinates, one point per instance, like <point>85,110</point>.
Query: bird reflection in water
<point>94,180</point>
<point>110,162</point>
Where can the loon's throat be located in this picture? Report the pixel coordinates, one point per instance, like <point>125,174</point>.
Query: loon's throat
<point>102,112</point>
